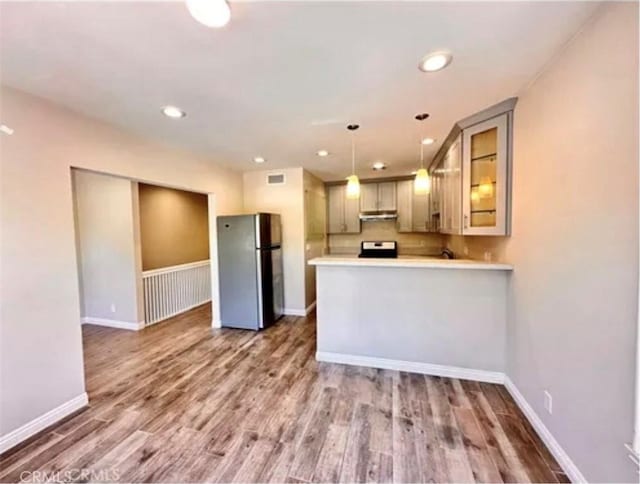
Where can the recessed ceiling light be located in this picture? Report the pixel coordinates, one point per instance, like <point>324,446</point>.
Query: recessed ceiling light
<point>428,141</point>
<point>259,159</point>
<point>379,165</point>
<point>435,61</point>
<point>212,13</point>
<point>322,153</point>
<point>6,129</point>
<point>173,112</point>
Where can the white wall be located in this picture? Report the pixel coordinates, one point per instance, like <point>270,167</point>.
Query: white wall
<point>450,317</point>
<point>288,201</point>
<point>574,246</point>
<point>40,341</point>
<point>109,258</point>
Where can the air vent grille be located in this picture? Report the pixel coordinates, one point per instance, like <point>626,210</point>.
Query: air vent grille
<point>276,179</point>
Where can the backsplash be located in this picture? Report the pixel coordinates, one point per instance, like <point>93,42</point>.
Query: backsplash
<point>408,244</point>
<point>477,247</point>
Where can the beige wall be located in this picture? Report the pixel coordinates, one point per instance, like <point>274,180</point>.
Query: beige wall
<point>107,244</point>
<point>315,216</point>
<point>288,201</point>
<point>40,342</point>
<point>574,244</point>
<point>408,243</point>
<point>174,226</point>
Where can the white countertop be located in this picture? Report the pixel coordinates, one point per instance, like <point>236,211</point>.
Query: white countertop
<point>409,261</point>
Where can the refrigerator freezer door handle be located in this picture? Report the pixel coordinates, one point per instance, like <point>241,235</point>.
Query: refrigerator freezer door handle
<point>259,284</point>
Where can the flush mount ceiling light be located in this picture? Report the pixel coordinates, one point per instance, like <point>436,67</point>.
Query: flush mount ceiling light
<point>322,153</point>
<point>259,159</point>
<point>173,112</point>
<point>6,129</point>
<point>379,165</point>
<point>212,13</point>
<point>435,61</point>
<point>428,141</point>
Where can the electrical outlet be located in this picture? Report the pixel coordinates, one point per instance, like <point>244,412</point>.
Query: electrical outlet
<point>487,256</point>
<point>465,250</point>
<point>113,308</point>
<point>548,402</point>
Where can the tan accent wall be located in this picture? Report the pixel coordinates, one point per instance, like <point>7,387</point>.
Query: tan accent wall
<point>174,227</point>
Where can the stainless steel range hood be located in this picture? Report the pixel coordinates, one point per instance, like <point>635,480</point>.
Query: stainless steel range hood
<point>378,216</point>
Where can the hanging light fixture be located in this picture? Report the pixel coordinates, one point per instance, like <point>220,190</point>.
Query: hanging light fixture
<point>353,184</point>
<point>422,183</point>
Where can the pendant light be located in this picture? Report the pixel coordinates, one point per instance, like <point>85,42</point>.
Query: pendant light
<point>422,183</point>
<point>353,184</point>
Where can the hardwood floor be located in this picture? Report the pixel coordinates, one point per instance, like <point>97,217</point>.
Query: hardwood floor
<point>180,402</point>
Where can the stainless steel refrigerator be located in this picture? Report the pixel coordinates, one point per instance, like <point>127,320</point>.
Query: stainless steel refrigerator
<point>250,265</point>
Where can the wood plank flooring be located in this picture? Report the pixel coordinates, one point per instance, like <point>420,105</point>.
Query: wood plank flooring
<point>180,402</point>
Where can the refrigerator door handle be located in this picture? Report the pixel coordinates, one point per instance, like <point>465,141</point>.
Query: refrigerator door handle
<point>258,232</point>
<point>259,285</point>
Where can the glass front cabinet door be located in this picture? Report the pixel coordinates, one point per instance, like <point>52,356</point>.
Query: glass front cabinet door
<point>485,171</point>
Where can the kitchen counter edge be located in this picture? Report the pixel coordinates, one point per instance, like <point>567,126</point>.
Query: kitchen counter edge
<point>412,262</point>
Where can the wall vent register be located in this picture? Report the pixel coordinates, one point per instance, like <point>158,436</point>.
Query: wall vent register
<point>276,179</point>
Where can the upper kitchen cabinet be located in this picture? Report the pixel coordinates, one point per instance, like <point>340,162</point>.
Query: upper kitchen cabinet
<point>485,171</point>
<point>376,197</point>
<point>414,211</point>
<point>473,168</point>
<point>450,195</point>
<point>405,202</point>
<point>342,213</point>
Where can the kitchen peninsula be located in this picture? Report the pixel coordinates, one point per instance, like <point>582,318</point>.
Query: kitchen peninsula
<point>419,314</point>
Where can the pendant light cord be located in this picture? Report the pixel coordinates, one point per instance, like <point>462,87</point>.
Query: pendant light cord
<point>421,117</point>
<point>352,128</point>
<point>353,153</point>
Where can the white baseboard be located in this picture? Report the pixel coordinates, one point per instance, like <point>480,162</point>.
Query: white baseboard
<point>572,471</point>
<point>310,308</point>
<point>294,312</point>
<point>21,434</point>
<point>413,367</point>
<point>299,312</point>
<point>112,323</point>
<point>216,323</point>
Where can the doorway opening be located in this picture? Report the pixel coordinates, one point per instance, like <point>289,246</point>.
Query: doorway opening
<point>143,250</point>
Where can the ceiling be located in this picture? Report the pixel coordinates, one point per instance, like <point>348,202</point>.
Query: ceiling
<point>283,79</point>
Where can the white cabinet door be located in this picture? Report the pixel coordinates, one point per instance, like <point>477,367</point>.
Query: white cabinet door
<point>369,197</point>
<point>405,201</point>
<point>343,214</point>
<point>485,167</point>
<point>387,196</point>
<point>455,165</point>
<point>335,209</point>
<point>420,213</point>
<point>351,215</point>
<point>435,199</point>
